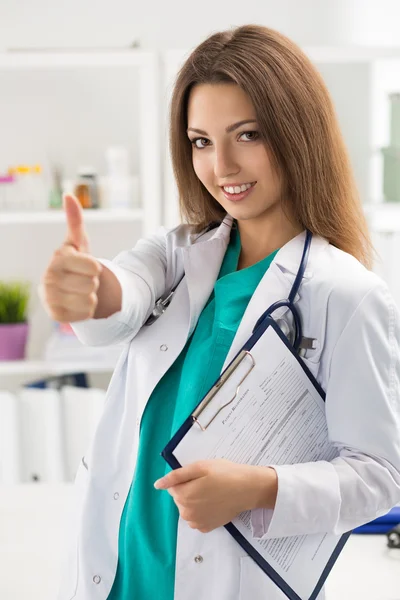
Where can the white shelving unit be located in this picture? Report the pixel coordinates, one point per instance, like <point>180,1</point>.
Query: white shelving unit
<point>144,219</point>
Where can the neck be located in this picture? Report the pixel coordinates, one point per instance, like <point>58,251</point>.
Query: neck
<point>261,236</point>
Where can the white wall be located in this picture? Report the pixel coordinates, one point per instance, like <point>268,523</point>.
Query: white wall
<point>178,23</point>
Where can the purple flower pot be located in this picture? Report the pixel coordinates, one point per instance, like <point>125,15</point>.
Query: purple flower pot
<point>13,338</point>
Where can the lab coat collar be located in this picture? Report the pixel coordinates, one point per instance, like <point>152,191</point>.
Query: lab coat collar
<point>288,257</point>
<point>202,260</point>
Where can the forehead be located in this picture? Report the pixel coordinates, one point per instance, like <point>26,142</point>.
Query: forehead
<point>226,102</point>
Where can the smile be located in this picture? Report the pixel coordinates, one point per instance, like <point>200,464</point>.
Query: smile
<point>238,192</point>
<point>236,189</point>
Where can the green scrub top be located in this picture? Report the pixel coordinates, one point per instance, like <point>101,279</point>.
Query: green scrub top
<point>148,527</point>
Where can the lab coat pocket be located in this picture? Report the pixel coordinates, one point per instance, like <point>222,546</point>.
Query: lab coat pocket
<point>69,572</point>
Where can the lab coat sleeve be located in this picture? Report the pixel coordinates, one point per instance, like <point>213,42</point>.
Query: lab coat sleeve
<point>363,418</point>
<point>141,272</point>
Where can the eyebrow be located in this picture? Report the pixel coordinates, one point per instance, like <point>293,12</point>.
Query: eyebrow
<point>229,129</point>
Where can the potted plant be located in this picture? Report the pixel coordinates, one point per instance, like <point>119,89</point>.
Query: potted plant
<point>14,298</point>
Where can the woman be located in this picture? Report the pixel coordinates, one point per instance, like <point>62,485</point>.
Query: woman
<point>258,158</point>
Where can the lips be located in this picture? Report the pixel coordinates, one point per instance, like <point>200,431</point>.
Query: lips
<point>240,195</point>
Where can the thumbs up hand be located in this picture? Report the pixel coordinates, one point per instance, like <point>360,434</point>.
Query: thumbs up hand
<point>69,286</point>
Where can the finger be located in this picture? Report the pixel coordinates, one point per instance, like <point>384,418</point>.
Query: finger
<point>67,259</point>
<point>79,284</point>
<point>81,304</point>
<point>66,315</point>
<point>76,233</point>
<point>181,475</point>
<point>199,526</point>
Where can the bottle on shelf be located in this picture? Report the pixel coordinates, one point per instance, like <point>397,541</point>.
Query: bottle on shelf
<point>55,195</point>
<point>7,195</point>
<point>21,199</point>
<point>86,188</point>
<point>120,187</point>
<point>38,192</point>
<point>29,192</point>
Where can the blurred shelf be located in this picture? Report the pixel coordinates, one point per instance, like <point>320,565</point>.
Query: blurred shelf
<point>58,216</point>
<point>41,367</point>
<point>383,217</point>
<point>36,59</point>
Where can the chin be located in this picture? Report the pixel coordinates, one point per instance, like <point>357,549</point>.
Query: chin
<point>246,213</point>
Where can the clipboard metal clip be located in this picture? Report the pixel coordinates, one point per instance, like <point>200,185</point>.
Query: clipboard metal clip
<point>223,379</point>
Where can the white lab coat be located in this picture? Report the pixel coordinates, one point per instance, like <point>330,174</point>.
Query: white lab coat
<point>350,312</point>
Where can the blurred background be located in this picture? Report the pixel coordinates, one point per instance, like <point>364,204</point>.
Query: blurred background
<point>84,93</point>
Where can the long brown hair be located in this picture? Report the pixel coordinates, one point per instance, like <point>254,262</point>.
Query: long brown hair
<point>297,120</point>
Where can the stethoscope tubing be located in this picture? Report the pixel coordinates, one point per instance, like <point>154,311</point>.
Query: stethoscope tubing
<point>289,303</point>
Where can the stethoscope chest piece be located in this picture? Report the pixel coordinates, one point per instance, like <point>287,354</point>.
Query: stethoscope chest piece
<point>160,308</point>
<point>286,330</point>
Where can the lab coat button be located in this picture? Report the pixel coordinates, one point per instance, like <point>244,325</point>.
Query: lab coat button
<point>116,496</point>
<point>198,559</point>
<point>163,347</point>
<point>97,579</point>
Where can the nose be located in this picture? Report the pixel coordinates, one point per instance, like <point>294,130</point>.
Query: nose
<point>225,164</point>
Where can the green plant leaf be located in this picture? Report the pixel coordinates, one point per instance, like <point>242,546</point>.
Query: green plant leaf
<point>14,298</point>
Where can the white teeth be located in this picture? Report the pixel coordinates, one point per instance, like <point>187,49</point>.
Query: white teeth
<point>238,188</point>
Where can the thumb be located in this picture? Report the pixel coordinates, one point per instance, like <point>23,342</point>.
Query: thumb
<point>76,233</point>
<point>180,475</point>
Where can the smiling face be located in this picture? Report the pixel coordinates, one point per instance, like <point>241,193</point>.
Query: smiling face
<point>229,156</point>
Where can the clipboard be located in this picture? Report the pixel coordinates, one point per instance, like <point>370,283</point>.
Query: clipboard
<point>197,419</point>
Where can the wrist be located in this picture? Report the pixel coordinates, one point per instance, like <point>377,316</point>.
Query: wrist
<point>265,481</point>
<point>109,294</point>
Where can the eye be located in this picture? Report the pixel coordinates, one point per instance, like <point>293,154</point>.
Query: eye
<point>254,135</point>
<point>195,140</point>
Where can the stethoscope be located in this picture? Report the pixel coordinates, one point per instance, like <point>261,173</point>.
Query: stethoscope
<point>294,334</point>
